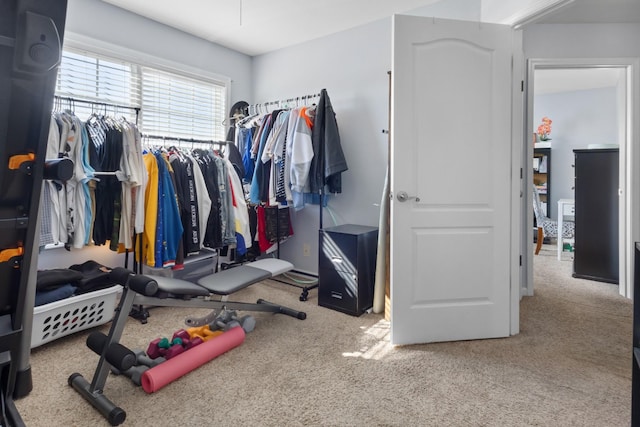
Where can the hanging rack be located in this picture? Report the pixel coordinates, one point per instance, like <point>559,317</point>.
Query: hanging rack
<point>187,140</point>
<point>261,108</point>
<point>71,102</point>
<point>257,108</point>
<point>59,102</point>
<point>94,104</point>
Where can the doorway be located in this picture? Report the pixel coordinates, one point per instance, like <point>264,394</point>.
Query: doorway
<point>612,79</point>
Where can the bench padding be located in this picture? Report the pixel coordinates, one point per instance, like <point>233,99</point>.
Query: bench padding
<point>232,280</point>
<point>272,265</point>
<point>224,282</point>
<point>169,285</point>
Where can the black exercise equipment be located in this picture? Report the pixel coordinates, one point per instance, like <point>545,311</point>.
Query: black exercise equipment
<point>111,352</point>
<point>31,34</point>
<point>168,292</point>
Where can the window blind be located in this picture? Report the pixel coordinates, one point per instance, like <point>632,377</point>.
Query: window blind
<point>97,79</point>
<point>170,104</point>
<point>182,107</point>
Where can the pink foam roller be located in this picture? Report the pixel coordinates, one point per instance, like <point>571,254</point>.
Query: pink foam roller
<point>159,376</point>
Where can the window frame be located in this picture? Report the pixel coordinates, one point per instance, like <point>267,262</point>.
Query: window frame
<point>79,44</point>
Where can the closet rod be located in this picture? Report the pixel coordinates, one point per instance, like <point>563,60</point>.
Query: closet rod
<point>94,103</point>
<point>188,140</point>
<point>283,101</point>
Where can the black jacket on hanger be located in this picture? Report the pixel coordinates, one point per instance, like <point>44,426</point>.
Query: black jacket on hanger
<point>328,160</point>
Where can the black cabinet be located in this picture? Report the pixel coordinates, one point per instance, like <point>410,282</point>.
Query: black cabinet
<point>596,215</point>
<point>347,267</point>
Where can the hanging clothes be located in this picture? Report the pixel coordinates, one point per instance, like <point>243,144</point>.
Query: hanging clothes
<point>235,157</point>
<point>83,174</point>
<point>169,227</point>
<point>109,148</point>
<point>257,185</point>
<point>273,153</point>
<point>247,161</point>
<point>187,201</point>
<point>151,211</point>
<point>227,216</point>
<point>301,154</point>
<point>53,197</point>
<point>329,161</point>
<point>204,201</point>
<point>213,233</point>
<point>241,228</point>
<point>132,176</point>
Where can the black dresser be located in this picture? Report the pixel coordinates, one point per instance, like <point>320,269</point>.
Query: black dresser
<point>347,268</point>
<point>596,194</point>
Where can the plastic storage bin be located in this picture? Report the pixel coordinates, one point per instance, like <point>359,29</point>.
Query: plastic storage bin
<point>67,316</point>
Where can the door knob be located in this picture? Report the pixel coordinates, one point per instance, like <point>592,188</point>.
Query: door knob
<point>402,196</point>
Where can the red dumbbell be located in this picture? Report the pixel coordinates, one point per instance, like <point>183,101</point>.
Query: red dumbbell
<point>155,349</point>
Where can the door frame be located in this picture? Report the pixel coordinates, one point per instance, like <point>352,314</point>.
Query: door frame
<point>629,207</point>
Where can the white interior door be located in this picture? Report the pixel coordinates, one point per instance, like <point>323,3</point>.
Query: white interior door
<point>451,181</point>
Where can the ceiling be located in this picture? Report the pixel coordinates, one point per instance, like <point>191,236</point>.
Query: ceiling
<point>254,27</point>
<point>596,11</point>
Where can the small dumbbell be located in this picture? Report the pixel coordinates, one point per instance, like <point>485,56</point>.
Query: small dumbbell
<point>229,319</point>
<point>203,332</point>
<point>170,349</point>
<point>188,341</point>
<point>154,350</point>
<point>160,347</point>
<point>193,342</point>
<point>134,373</point>
<point>143,359</point>
<point>182,334</point>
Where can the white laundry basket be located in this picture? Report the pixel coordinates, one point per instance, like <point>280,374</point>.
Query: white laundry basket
<point>60,318</point>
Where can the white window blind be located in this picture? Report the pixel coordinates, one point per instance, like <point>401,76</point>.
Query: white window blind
<point>170,104</point>
<point>98,80</point>
<point>182,107</point>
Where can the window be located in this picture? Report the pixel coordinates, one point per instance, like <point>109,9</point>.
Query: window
<point>170,104</point>
<point>181,107</point>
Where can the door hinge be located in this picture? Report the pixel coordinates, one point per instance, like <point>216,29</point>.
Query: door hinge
<point>520,260</point>
<point>521,85</point>
<point>521,173</point>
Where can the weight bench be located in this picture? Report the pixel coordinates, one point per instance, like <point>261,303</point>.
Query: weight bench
<point>181,293</point>
<point>169,292</point>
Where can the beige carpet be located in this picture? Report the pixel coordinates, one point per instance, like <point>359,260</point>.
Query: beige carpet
<point>569,366</point>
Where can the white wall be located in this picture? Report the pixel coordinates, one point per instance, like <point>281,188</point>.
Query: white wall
<point>581,40</point>
<point>107,23</point>
<point>352,65</point>
<point>514,11</point>
<point>579,118</point>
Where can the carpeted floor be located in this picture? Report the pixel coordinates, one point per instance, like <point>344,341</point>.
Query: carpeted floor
<point>569,366</point>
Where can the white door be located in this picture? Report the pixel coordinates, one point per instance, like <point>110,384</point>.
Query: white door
<point>451,181</point>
